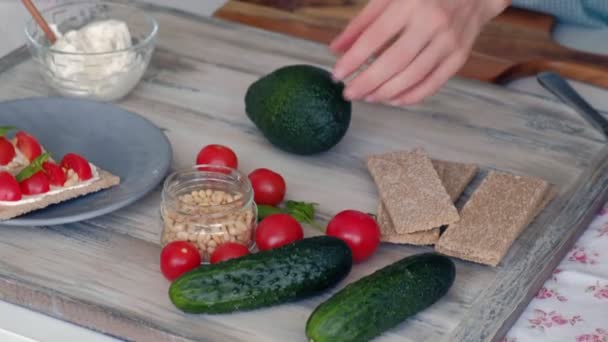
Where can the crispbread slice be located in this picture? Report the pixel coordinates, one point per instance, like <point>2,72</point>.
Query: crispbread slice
<point>423,238</point>
<point>497,212</point>
<point>455,178</point>
<point>549,196</point>
<point>412,192</point>
<point>106,180</point>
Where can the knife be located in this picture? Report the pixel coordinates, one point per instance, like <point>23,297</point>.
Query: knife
<point>560,88</point>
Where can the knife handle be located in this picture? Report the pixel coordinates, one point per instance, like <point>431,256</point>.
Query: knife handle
<point>560,88</point>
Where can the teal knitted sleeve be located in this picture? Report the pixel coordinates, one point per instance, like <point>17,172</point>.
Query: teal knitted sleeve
<point>593,13</point>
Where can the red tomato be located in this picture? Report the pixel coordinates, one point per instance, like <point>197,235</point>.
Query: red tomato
<point>227,251</point>
<point>359,230</point>
<point>7,151</point>
<point>217,155</point>
<point>78,164</point>
<point>277,230</point>
<point>268,187</point>
<point>9,187</point>
<point>177,258</point>
<point>55,173</point>
<point>28,145</point>
<point>38,183</point>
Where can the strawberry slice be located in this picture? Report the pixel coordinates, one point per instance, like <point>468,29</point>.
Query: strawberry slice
<point>7,151</point>
<point>55,173</point>
<point>78,164</point>
<point>9,187</point>
<point>28,145</point>
<point>38,183</point>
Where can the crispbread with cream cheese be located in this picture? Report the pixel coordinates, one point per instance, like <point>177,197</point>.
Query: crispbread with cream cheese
<point>106,180</point>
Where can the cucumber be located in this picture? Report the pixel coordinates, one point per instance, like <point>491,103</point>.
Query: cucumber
<point>295,271</point>
<point>380,301</point>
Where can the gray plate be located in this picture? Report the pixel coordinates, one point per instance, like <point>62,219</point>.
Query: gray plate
<point>118,141</point>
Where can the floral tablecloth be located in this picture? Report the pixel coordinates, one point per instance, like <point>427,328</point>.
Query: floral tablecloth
<point>573,304</point>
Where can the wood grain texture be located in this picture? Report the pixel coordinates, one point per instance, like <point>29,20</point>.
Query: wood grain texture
<point>293,4</point>
<point>516,44</point>
<point>103,273</point>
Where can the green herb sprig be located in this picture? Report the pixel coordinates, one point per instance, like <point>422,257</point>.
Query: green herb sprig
<point>303,212</point>
<point>34,167</point>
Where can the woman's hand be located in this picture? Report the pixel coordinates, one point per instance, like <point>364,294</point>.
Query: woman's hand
<point>417,44</point>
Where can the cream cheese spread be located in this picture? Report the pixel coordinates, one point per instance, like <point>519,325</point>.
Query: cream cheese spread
<point>95,59</point>
<point>15,165</point>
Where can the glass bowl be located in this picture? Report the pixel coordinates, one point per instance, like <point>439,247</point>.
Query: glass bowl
<point>105,76</point>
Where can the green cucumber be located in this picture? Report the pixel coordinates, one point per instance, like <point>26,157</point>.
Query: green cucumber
<point>295,271</point>
<point>378,302</point>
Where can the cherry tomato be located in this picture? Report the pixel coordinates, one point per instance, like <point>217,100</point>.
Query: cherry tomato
<point>78,164</point>
<point>227,251</point>
<point>55,173</point>
<point>268,187</point>
<point>38,183</point>
<point>9,187</point>
<point>359,230</point>
<point>277,230</point>
<point>177,258</point>
<point>217,155</point>
<point>28,145</point>
<point>7,151</point>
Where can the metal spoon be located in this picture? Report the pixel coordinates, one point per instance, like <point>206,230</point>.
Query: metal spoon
<point>560,88</point>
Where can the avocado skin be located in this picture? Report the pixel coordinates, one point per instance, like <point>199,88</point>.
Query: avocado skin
<point>299,109</point>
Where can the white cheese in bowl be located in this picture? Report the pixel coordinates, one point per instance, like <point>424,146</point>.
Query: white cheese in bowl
<point>95,59</point>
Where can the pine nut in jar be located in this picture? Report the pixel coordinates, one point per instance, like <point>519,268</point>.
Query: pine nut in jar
<point>208,206</point>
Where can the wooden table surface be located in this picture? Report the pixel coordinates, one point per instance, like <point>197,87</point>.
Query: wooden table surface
<point>103,274</point>
<point>516,44</point>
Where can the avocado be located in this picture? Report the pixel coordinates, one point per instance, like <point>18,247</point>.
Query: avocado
<point>299,109</point>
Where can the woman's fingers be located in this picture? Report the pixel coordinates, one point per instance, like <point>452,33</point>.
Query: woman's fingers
<point>447,68</point>
<point>384,28</point>
<point>436,36</point>
<point>434,81</point>
<point>352,31</point>
<point>428,59</point>
<point>392,61</point>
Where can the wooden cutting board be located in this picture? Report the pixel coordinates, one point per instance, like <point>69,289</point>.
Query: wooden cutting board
<point>516,44</point>
<point>103,274</point>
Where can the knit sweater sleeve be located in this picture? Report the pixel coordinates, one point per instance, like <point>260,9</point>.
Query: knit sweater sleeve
<point>592,13</point>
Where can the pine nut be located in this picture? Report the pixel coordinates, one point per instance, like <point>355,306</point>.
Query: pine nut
<point>190,220</point>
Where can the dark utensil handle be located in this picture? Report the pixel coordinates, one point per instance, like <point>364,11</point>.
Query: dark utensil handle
<point>560,88</point>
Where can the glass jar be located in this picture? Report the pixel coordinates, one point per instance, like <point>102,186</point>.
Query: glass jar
<point>208,206</point>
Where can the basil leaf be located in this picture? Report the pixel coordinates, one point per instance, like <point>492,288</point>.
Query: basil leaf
<point>6,129</point>
<point>304,212</point>
<point>34,167</point>
<point>267,210</point>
